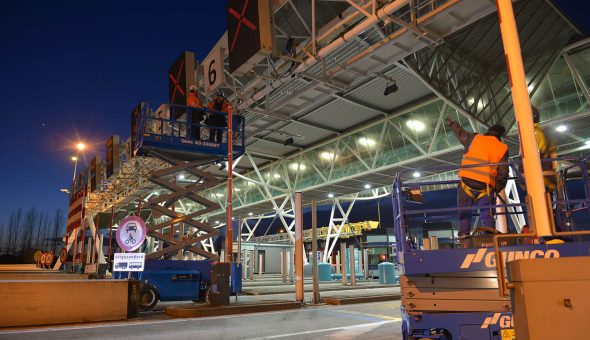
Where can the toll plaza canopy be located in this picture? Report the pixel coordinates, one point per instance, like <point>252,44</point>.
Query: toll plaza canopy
<point>339,98</point>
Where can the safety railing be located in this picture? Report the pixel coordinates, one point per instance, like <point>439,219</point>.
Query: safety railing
<point>185,128</point>
<point>411,219</point>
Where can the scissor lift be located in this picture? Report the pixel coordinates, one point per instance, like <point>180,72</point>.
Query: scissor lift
<point>166,132</point>
<point>450,292</point>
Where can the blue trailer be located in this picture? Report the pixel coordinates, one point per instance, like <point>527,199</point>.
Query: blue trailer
<point>172,280</point>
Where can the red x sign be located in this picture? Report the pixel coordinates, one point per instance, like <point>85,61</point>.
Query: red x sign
<point>175,80</point>
<point>241,20</point>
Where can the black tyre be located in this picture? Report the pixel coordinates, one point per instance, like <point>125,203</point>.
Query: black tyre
<point>149,297</point>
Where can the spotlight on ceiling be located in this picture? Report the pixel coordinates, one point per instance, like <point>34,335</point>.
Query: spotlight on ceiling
<point>289,141</point>
<point>391,88</point>
<point>561,128</point>
<point>330,195</point>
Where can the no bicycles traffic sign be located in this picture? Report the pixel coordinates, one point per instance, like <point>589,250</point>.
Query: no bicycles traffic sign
<point>131,233</point>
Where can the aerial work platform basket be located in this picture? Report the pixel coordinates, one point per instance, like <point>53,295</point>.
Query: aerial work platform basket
<point>449,288</point>
<point>186,132</point>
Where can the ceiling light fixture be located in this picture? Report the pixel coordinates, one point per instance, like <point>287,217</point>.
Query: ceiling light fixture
<point>330,195</point>
<point>289,141</point>
<point>367,186</point>
<point>367,142</point>
<point>390,88</point>
<point>561,128</point>
<point>416,174</point>
<point>416,125</point>
<point>327,155</point>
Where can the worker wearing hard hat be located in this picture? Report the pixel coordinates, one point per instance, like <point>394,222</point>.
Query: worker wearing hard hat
<point>546,145</point>
<point>196,115</point>
<point>479,184</point>
<point>217,122</point>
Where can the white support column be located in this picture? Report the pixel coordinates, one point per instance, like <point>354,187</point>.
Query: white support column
<point>352,265</point>
<point>343,262</point>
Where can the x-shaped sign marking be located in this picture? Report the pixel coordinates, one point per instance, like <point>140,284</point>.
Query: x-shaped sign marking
<point>241,19</point>
<point>175,82</point>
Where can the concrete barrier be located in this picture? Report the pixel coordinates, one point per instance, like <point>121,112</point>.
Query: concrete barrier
<point>11,276</point>
<point>19,267</point>
<point>45,302</point>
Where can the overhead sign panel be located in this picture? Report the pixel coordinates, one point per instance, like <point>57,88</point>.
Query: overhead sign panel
<point>180,78</point>
<point>113,155</point>
<point>75,211</point>
<point>213,75</point>
<point>249,33</point>
<point>97,173</point>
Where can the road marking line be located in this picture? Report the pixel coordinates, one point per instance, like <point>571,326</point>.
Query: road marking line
<point>107,324</point>
<point>364,325</point>
<point>378,316</point>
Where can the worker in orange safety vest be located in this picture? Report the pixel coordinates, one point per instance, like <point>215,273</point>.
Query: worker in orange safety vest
<point>479,184</point>
<point>196,115</point>
<point>217,122</point>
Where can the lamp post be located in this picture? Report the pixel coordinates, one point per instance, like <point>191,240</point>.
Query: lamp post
<point>80,147</point>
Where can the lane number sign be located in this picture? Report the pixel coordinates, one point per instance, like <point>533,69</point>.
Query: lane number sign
<point>213,75</point>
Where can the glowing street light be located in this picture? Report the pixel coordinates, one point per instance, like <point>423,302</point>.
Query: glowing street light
<point>80,147</point>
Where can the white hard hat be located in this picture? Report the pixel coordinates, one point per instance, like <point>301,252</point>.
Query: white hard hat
<point>193,87</point>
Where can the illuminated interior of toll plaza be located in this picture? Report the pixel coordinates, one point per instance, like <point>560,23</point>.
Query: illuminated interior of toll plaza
<point>332,159</point>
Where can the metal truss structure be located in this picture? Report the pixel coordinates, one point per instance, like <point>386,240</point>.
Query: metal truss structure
<point>469,70</point>
<point>164,204</point>
<point>319,122</point>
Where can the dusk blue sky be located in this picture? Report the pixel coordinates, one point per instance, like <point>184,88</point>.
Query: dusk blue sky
<point>75,69</point>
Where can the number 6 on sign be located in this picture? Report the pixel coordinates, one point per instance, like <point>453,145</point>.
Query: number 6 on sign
<point>213,71</point>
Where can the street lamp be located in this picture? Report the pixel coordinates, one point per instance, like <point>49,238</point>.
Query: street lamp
<point>80,147</point>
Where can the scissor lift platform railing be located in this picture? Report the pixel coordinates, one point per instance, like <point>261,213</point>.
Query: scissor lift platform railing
<point>175,128</point>
<point>453,293</point>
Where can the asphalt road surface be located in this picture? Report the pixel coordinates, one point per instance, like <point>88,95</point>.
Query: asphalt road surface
<point>380,320</point>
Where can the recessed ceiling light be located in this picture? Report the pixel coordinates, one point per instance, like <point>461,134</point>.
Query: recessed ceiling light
<point>416,174</point>
<point>416,125</point>
<point>327,155</point>
<point>298,166</point>
<point>250,214</point>
<point>216,222</point>
<point>367,142</point>
<point>330,195</point>
<point>367,186</point>
<point>181,177</point>
<point>561,128</point>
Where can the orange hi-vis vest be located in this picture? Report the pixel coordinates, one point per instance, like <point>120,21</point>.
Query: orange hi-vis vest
<point>194,100</point>
<point>483,149</point>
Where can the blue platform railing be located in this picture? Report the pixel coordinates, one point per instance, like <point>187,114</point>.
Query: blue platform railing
<point>412,219</point>
<point>184,129</point>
